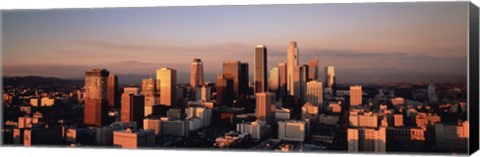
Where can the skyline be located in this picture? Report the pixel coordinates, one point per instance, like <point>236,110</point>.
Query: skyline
<point>131,41</point>
<point>358,78</point>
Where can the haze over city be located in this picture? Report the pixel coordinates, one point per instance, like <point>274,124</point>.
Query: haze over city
<point>376,78</point>
<point>384,42</point>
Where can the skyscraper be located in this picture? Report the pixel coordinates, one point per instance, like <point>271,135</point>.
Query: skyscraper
<point>292,63</point>
<point>303,81</point>
<point>133,108</point>
<point>313,69</point>
<point>148,90</point>
<point>330,80</point>
<point>166,85</point>
<point>112,90</point>
<point>355,95</point>
<point>299,82</point>
<point>265,107</point>
<point>295,89</point>
<point>314,92</point>
<point>96,101</point>
<point>231,70</point>
<point>244,78</point>
<point>282,73</point>
<point>260,73</point>
<point>225,91</point>
<point>273,80</point>
<point>196,73</point>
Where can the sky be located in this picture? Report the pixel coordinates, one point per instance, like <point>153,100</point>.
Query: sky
<point>366,42</point>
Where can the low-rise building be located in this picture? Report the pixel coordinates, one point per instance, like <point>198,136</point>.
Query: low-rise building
<point>42,136</point>
<point>45,101</point>
<point>367,140</point>
<point>328,119</point>
<point>232,140</point>
<point>134,139</point>
<point>258,130</point>
<point>364,119</point>
<point>309,111</point>
<point>292,130</point>
<point>282,114</point>
<point>452,138</point>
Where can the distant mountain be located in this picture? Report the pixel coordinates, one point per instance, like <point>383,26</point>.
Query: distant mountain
<point>132,79</point>
<point>31,81</point>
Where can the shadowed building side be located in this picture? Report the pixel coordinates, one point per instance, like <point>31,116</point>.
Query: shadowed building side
<point>225,90</point>
<point>231,70</point>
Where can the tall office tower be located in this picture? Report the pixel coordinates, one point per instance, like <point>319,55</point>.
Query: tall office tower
<point>295,90</point>
<point>355,95</point>
<point>127,91</point>
<point>148,90</point>
<point>313,69</point>
<point>292,63</point>
<point>314,92</point>
<point>166,85</point>
<point>273,80</point>
<point>303,81</point>
<point>243,78</point>
<point>112,90</point>
<point>196,73</point>
<point>225,91</point>
<point>265,110</point>
<point>260,73</point>
<point>330,80</point>
<point>133,108</point>
<point>231,70</point>
<point>282,82</point>
<point>299,82</point>
<point>96,101</point>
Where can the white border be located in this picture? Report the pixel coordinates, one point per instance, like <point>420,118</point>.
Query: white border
<point>49,4</point>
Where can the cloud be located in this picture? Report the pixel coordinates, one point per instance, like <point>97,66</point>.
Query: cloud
<point>111,45</point>
<point>159,47</point>
<point>344,53</point>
